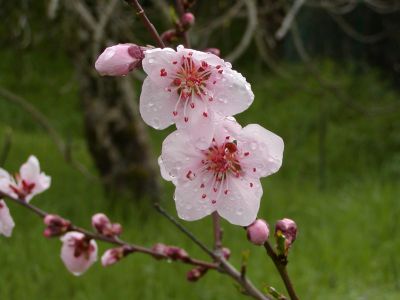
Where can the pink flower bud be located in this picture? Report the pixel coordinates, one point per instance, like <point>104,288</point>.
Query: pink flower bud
<point>196,273</point>
<point>103,225</point>
<point>226,253</point>
<point>78,252</point>
<point>214,51</point>
<point>176,253</point>
<point>119,60</point>
<point>56,225</point>
<point>288,228</point>
<point>187,20</point>
<point>258,232</point>
<point>112,256</point>
<point>169,36</point>
<point>160,250</point>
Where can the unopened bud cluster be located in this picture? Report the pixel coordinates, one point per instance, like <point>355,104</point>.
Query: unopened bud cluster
<point>101,223</point>
<point>171,252</point>
<point>56,225</point>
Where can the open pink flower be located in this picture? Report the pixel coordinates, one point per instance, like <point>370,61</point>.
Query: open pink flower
<point>225,177</point>
<point>191,88</point>
<point>6,221</point>
<point>29,182</point>
<point>78,252</point>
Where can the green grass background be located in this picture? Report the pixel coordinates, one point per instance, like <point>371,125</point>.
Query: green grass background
<point>347,246</point>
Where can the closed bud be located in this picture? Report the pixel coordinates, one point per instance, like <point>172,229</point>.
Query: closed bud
<point>214,51</point>
<point>119,60</point>
<point>258,232</point>
<point>288,228</point>
<point>176,253</point>
<point>196,273</point>
<point>56,225</point>
<point>112,256</point>
<point>187,20</point>
<point>226,253</point>
<point>102,224</point>
<point>169,36</point>
<point>160,250</point>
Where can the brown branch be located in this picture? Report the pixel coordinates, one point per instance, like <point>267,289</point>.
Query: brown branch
<point>280,265</point>
<point>224,266</point>
<point>289,18</point>
<point>112,240</point>
<point>181,12</point>
<point>217,231</point>
<point>150,27</point>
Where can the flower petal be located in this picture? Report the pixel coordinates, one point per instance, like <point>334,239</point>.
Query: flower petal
<point>242,202</point>
<point>189,202</point>
<point>199,126</point>
<point>178,155</point>
<point>6,221</point>
<point>157,105</point>
<point>158,59</point>
<point>77,265</point>
<point>30,170</point>
<point>232,93</point>
<point>264,149</point>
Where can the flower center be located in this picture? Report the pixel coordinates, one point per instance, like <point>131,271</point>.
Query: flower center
<point>222,160</point>
<point>191,80</point>
<point>23,188</point>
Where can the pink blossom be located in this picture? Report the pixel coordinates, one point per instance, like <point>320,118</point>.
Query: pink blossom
<point>78,252</point>
<point>6,221</point>
<point>119,60</point>
<point>29,182</point>
<point>225,177</point>
<point>192,89</point>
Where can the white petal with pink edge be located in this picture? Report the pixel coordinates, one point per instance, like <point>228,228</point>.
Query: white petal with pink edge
<point>6,221</point>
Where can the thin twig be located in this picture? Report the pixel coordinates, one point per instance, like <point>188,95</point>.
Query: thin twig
<point>244,43</point>
<point>289,18</point>
<point>217,231</point>
<point>225,266</point>
<point>150,27</point>
<point>184,230</point>
<point>111,240</point>
<point>181,12</point>
<point>281,267</point>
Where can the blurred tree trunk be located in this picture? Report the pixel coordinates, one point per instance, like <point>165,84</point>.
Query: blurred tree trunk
<point>116,136</point>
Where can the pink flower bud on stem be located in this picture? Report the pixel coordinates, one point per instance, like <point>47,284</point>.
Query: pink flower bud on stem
<point>258,232</point>
<point>187,20</point>
<point>101,223</point>
<point>56,226</point>
<point>195,274</point>
<point>114,255</point>
<point>119,60</point>
<point>169,36</point>
<point>171,252</point>
<point>226,253</point>
<point>285,235</point>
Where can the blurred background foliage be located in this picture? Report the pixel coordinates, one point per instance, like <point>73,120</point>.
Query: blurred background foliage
<point>329,87</point>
